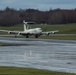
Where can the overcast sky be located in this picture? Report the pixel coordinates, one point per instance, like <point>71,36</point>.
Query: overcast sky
<point>38,4</point>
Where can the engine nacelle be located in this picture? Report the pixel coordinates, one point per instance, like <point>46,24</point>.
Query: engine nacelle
<point>19,33</point>
<point>53,33</point>
<point>9,32</point>
<point>47,33</point>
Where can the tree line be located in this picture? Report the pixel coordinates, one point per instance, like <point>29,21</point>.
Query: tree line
<point>11,16</point>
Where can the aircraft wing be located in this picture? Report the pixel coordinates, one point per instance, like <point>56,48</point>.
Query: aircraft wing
<point>50,32</point>
<point>10,32</point>
<point>4,31</point>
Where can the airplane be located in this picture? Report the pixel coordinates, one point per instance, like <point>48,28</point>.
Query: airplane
<point>29,32</point>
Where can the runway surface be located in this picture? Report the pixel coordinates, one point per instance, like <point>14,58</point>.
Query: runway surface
<point>56,55</point>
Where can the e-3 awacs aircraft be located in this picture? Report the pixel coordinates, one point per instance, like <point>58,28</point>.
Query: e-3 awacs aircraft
<point>29,32</point>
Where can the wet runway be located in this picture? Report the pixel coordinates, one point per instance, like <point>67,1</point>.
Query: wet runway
<point>56,55</point>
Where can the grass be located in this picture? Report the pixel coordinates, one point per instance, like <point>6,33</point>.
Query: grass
<point>65,37</point>
<point>3,44</point>
<point>28,71</point>
<point>63,29</point>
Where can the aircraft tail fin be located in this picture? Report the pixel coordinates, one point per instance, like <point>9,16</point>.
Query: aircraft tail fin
<point>26,27</point>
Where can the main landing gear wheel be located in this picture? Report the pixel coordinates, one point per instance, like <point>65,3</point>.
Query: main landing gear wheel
<point>36,36</point>
<point>27,36</point>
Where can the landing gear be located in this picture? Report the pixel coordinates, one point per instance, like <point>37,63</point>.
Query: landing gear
<point>36,36</point>
<point>27,36</point>
<point>15,36</point>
